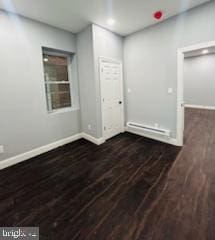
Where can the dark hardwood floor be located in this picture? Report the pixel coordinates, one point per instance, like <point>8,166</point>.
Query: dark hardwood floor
<point>130,188</point>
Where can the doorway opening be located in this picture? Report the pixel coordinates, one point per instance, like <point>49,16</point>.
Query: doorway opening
<point>183,54</point>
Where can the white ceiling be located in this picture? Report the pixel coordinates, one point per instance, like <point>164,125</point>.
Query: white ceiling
<point>74,15</point>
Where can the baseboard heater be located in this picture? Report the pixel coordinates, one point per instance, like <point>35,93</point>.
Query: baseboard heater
<point>149,129</point>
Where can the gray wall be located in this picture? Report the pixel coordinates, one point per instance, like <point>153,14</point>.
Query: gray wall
<point>87,81</point>
<point>92,43</point>
<point>151,64</point>
<point>24,121</point>
<point>199,80</point>
<point>109,45</point>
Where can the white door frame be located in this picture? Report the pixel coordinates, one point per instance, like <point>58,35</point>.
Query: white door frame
<point>180,86</point>
<point>111,60</point>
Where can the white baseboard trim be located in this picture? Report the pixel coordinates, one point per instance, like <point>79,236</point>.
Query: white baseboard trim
<point>37,151</point>
<point>164,139</point>
<point>199,106</point>
<point>97,141</point>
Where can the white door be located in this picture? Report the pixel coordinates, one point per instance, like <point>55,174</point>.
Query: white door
<point>111,98</point>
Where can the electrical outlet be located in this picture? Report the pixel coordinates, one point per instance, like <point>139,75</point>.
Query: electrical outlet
<point>1,149</point>
<point>156,125</point>
<point>89,127</point>
<point>129,90</point>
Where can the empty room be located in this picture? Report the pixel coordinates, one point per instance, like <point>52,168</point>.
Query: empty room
<point>107,119</point>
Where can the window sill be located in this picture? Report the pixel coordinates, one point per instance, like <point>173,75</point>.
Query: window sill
<point>63,110</point>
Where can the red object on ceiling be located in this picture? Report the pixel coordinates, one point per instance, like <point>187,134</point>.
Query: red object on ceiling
<point>158,15</point>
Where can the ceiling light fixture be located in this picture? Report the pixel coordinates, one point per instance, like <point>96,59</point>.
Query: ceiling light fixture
<point>111,21</point>
<point>205,51</point>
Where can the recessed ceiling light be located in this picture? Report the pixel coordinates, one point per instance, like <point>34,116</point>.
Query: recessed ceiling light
<point>111,21</point>
<point>205,51</point>
<point>45,59</point>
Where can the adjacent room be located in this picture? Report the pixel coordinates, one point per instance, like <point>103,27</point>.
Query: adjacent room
<point>199,85</point>
<point>199,72</point>
<point>107,119</point>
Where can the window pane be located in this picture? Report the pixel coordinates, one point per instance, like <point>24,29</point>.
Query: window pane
<point>55,68</point>
<point>60,100</point>
<point>55,88</point>
<point>58,95</point>
<point>57,81</point>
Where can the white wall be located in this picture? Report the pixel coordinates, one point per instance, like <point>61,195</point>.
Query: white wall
<point>199,80</point>
<point>150,63</point>
<point>24,121</point>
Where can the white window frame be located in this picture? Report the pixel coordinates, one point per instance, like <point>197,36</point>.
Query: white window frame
<point>47,83</point>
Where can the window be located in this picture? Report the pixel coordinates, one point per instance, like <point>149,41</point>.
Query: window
<point>57,82</point>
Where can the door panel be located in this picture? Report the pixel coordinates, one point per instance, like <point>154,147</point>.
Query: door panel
<point>111,93</point>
